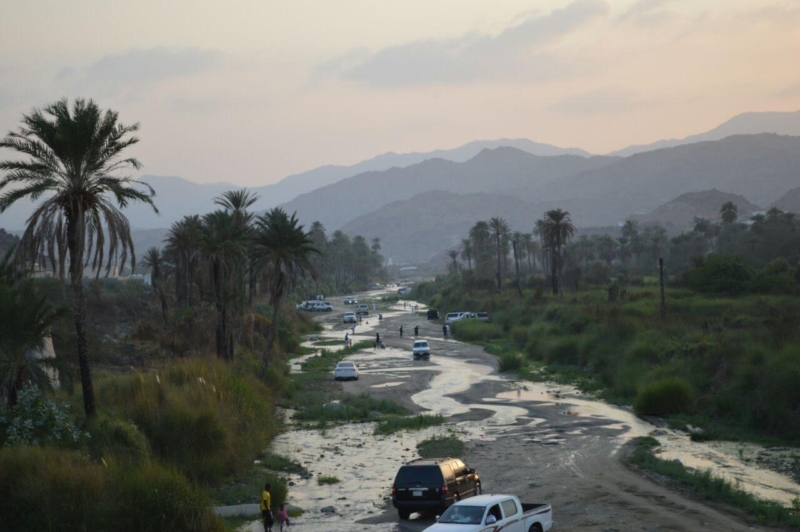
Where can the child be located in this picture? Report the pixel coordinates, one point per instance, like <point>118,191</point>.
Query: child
<point>283,517</point>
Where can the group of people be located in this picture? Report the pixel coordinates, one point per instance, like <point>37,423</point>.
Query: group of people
<point>266,511</point>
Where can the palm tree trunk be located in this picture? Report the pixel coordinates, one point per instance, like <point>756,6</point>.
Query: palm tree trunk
<point>273,333</point>
<point>75,240</point>
<point>516,265</point>
<point>554,271</point>
<point>220,333</point>
<point>499,283</point>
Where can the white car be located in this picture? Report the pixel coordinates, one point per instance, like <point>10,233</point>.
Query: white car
<point>494,512</point>
<point>321,306</point>
<point>345,370</point>
<point>421,349</point>
<point>404,291</point>
<point>455,316</point>
<point>349,317</point>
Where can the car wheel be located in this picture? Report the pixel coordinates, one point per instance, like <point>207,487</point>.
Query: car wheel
<point>404,514</point>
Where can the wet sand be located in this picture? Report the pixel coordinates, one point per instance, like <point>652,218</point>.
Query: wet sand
<point>543,442</point>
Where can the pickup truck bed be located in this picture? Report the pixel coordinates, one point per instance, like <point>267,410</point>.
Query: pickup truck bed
<point>528,507</point>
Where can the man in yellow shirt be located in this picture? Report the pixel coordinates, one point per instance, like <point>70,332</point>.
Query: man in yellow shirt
<point>266,509</point>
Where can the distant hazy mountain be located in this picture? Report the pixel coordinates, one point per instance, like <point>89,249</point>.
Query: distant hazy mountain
<point>416,229</point>
<point>499,170</point>
<point>177,197</point>
<point>759,167</point>
<point>679,214</point>
<point>789,202</point>
<point>743,124</point>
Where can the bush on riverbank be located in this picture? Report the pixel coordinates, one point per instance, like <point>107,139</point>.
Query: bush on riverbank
<point>52,489</point>
<point>441,446</point>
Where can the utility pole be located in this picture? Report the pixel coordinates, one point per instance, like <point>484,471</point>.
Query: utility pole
<point>661,282</point>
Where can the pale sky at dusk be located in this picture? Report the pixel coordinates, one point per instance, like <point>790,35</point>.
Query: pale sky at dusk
<point>251,91</point>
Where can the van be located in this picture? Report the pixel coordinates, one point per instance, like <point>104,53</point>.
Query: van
<point>432,485</point>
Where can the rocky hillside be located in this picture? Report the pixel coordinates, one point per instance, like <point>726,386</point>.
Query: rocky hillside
<point>789,202</point>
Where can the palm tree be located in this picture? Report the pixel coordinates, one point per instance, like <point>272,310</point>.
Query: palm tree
<point>515,245</point>
<point>182,250</point>
<point>222,243</point>
<point>499,229</point>
<point>285,250</point>
<point>466,251</point>
<point>376,245</point>
<point>729,213</point>
<point>74,157</point>
<point>155,261</point>
<point>555,230</point>
<point>452,254</point>
<point>479,234</point>
<point>630,228</point>
<point>237,202</point>
<point>25,322</point>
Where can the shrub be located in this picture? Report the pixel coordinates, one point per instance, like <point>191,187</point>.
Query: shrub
<point>117,438</point>
<point>476,331</point>
<point>440,446</point>
<point>52,489</point>
<point>671,395</point>
<point>719,274</point>
<point>519,335</point>
<point>566,352</point>
<point>36,419</point>
<point>598,272</point>
<point>510,362</point>
<point>397,424</point>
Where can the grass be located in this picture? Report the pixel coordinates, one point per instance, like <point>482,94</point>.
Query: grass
<point>351,409</point>
<point>275,462</point>
<point>710,487</point>
<point>246,488</point>
<point>398,424</point>
<point>329,342</point>
<point>441,446</point>
<point>324,480</point>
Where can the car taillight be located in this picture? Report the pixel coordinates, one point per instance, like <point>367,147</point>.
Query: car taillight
<point>394,491</point>
<point>444,489</point>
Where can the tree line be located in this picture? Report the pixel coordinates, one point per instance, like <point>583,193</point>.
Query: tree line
<point>492,248</point>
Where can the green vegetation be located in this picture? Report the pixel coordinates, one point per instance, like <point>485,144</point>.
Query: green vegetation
<point>326,479</point>
<point>398,424</point>
<point>349,409</point>
<point>275,462</point>
<point>441,446</point>
<point>713,488</point>
<point>730,364</point>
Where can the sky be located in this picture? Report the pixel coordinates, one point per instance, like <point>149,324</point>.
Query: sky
<point>250,91</point>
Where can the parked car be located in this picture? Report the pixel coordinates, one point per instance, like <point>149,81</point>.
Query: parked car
<point>345,370</point>
<point>421,349</point>
<point>350,300</point>
<point>432,485</point>
<point>455,316</point>
<point>321,306</point>
<point>349,317</point>
<point>495,512</point>
<point>362,309</point>
<point>483,316</point>
<point>404,291</point>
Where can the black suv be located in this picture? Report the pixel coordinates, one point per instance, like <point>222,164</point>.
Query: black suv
<point>432,485</point>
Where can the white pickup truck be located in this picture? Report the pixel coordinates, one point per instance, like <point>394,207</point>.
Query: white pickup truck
<point>491,513</point>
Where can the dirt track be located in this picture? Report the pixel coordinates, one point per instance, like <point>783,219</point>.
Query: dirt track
<point>550,451</point>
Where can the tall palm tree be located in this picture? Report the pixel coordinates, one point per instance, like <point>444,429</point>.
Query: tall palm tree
<point>515,246</point>
<point>376,245</point>
<point>500,229</point>
<point>555,230</point>
<point>154,260</point>
<point>74,156</point>
<point>466,251</point>
<point>237,202</point>
<point>285,250</point>
<point>480,236</point>
<point>452,254</point>
<point>183,250</point>
<point>223,244</point>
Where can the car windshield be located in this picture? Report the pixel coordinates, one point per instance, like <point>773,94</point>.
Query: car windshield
<point>424,475</point>
<point>346,365</point>
<point>463,515</point>
<point>420,344</point>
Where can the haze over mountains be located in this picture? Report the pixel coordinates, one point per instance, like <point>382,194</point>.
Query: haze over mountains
<point>439,192</point>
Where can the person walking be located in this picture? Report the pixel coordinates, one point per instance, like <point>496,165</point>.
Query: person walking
<point>283,517</point>
<point>401,331</point>
<point>378,338</point>
<point>416,331</point>
<point>266,508</point>
<point>444,330</point>
<point>346,339</point>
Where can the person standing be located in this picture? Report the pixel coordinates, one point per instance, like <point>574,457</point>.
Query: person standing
<point>266,508</point>
<point>416,331</point>
<point>378,338</point>
<point>346,339</point>
<point>444,330</point>
<point>401,331</point>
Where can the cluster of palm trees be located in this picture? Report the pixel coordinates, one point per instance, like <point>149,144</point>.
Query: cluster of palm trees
<point>72,157</point>
<point>492,244</point>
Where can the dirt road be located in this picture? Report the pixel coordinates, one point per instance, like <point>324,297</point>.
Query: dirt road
<point>541,442</point>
